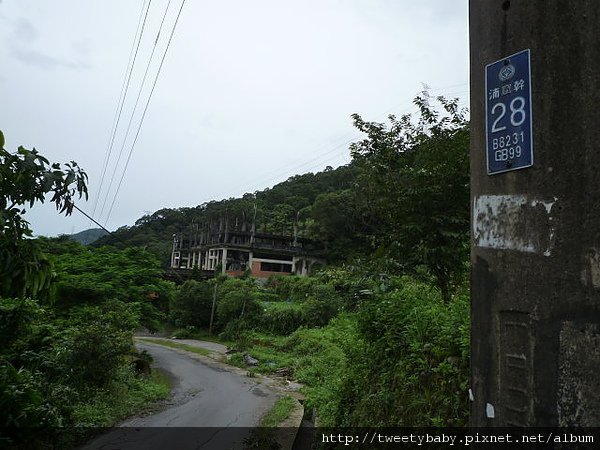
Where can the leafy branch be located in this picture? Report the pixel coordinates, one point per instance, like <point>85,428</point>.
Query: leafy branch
<point>26,178</point>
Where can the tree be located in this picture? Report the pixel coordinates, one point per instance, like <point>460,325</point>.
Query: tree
<point>92,276</point>
<point>26,177</point>
<point>192,304</point>
<point>341,223</point>
<point>415,180</point>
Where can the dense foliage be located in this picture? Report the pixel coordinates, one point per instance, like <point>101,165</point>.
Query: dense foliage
<point>95,275</point>
<point>415,180</point>
<point>372,351</point>
<point>67,316</point>
<point>413,369</point>
<point>26,177</point>
<point>59,359</point>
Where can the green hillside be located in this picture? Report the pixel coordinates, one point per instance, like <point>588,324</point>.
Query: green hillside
<point>402,203</point>
<point>87,237</point>
<point>299,199</point>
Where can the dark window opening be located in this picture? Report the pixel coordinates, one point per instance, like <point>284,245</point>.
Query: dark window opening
<point>275,267</point>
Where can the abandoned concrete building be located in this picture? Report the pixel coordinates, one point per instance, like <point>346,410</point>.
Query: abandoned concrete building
<point>233,249</point>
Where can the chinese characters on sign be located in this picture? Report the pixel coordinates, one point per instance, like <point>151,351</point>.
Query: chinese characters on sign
<point>509,138</point>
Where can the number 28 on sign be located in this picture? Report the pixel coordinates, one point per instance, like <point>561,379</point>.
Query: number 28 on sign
<point>509,138</point>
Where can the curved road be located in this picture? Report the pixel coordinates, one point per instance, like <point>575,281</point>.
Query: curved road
<point>222,403</point>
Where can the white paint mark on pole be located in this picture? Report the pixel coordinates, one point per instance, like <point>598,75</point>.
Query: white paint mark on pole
<point>489,411</point>
<point>514,222</point>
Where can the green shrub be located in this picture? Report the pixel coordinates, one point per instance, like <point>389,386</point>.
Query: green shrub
<point>192,304</point>
<point>292,287</point>
<point>282,318</point>
<point>236,330</point>
<point>16,319</point>
<point>235,305</point>
<point>322,361</point>
<point>414,368</point>
<point>81,350</point>
<point>23,400</point>
<point>321,306</point>
<point>92,354</point>
<point>125,395</point>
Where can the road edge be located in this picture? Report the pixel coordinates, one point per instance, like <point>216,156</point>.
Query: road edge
<point>286,431</point>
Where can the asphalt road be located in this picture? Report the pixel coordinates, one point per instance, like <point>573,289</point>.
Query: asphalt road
<point>223,404</point>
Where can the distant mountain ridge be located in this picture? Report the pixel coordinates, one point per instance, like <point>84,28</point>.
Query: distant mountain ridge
<point>87,237</point>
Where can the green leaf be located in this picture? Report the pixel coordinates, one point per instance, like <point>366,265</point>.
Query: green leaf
<point>1,139</point>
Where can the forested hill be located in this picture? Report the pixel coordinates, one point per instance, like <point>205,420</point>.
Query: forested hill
<point>301,199</point>
<point>86,237</point>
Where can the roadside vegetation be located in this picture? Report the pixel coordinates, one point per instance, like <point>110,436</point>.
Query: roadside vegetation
<point>68,360</point>
<point>391,353</point>
<point>379,337</point>
<point>67,316</point>
<point>280,411</point>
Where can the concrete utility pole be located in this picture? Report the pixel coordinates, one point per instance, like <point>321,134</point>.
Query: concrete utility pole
<point>536,230</point>
<point>212,310</point>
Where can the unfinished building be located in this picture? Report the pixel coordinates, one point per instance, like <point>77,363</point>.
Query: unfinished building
<point>233,249</point>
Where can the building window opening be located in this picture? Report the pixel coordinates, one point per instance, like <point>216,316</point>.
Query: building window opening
<point>275,267</point>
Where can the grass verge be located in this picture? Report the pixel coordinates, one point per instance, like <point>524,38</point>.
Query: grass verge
<point>129,395</point>
<point>281,410</point>
<point>265,436</point>
<point>186,347</point>
<point>197,333</point>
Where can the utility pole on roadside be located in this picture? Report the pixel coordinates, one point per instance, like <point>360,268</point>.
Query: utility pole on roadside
<point>535,187</point>
<point>212,311</point>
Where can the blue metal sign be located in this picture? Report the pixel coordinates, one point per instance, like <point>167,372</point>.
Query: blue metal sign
<point>509,137</point>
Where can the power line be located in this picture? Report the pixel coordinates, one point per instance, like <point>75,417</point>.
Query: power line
<point>112,178</point>
<point>287,168</point>
<point>99,224</point>
<point>124,89</point>
<point>145,110</point>
<point>441,88</point>
<point>269,177</point>
<point>111,233</point>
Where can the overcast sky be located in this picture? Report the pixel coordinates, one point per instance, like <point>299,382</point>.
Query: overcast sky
<point>250,93</point>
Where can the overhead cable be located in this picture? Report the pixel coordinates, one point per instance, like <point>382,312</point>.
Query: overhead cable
<point>144,113</point>
<point>112,178</point>
<point>283,170</point>
<point>124,89</point>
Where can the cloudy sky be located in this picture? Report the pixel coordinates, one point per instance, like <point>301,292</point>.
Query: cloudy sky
<point>250,91</point>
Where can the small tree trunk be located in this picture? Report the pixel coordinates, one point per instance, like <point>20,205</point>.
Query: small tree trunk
<point>445,289</point>
<point>443,282</point>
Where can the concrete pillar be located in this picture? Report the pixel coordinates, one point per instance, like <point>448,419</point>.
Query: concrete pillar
<point>536,231</point>
<point>224,260</point>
